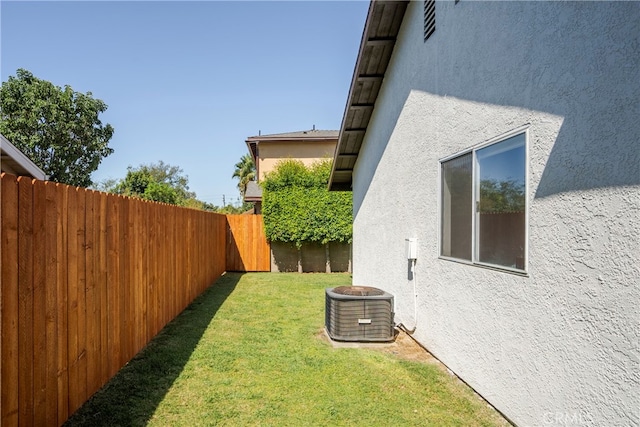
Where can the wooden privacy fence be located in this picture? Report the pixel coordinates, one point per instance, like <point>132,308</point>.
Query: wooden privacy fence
<point>87,280</point>
<point>502,238</point>
<point>247,246</point>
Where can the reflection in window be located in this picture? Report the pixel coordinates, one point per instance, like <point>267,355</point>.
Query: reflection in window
<point>501,203</point>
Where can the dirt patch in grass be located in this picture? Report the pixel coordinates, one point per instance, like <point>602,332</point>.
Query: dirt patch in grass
<point>403,346</point>
<point>406,348</point>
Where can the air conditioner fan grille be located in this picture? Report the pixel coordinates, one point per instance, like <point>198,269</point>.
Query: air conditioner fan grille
<point>360,291</point>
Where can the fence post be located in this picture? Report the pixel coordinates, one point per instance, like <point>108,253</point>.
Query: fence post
<point>327,258</point>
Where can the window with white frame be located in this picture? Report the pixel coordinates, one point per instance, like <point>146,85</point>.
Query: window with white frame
<point>483,204</point>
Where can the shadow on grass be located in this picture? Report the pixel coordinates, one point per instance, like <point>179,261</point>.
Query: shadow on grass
<point>131,397</point>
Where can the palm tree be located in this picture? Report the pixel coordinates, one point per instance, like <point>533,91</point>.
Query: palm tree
<point>245,171</point>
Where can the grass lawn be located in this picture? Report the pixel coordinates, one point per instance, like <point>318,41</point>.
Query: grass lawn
<point>248,352</point>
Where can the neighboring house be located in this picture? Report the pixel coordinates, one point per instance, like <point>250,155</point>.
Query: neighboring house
<point>307,146</point>
<point>253,194</point>
<point>15,162</point>
<point>504,137</point>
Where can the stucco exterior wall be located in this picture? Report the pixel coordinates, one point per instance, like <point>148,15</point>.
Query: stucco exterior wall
<point>559,345</point>
<point>308,152</point>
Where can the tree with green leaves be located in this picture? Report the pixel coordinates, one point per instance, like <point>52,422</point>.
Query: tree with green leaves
<point>58,129</point>
<point>158,182</point>
<point>501,196</point>
<point>245,171</point>
<point>297,206</point>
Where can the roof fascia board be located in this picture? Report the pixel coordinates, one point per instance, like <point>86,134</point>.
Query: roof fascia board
<point>290,138</point>
<point>21,159</point>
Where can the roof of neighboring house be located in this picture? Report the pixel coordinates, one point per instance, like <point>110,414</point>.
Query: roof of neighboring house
<point>378,40</point>
<point>303,135</point>
<point>299,135</point>
<point>253,192</point>
<point>15,162</point>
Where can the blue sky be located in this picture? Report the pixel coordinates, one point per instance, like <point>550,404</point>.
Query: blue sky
<point>188,82</point>
<point>504,161</point>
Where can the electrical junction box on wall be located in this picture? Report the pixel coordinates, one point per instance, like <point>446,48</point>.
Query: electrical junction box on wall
<point>411,248</point>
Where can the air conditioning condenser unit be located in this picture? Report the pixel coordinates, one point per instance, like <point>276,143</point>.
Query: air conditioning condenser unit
<point>359,313</point>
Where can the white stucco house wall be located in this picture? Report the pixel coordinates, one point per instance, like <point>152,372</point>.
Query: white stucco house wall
<point>538,313</point>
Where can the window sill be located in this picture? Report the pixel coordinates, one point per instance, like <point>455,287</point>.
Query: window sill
<point>507,270</point>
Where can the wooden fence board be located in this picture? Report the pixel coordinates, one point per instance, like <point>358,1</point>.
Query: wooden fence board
<point>62,287</point>
<point>101,278</point>
<point>92,314</point>
<point>114,220</point>
<point>9,295</point>
<point>133,300</point>
<point>151,274</point>
<point>51,296</point>
<point>145,277</point>
<point>39,303</point>
<point>160,268</point>
<point>81,357</point>
<point>72,300</point>
<point>124,295</point>
<point>25,302</point>
<point>173,284</point>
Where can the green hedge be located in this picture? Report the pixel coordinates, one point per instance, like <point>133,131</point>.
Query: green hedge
<point>297,207</point>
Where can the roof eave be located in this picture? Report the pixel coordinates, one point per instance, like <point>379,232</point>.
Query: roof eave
<point>380,37</point>
<point>252,147</point>
<point>19,161</point>
<point>257,139</point>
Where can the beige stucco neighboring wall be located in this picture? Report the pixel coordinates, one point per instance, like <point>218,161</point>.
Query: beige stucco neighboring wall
<point>270,153</point>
